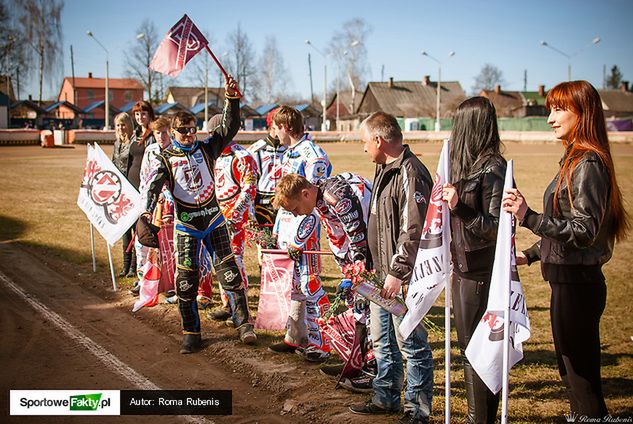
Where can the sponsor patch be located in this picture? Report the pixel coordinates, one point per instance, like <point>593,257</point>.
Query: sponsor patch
<point>198,157</point>
<point>343,206</point>
<point>229,276</point>
<point>419,198</point>
<point>349,217</point>
<point>354,226</point>
<point>358,237</point>
<point>306,228</point>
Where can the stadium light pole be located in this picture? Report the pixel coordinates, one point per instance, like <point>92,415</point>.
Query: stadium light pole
<point>107,82</point>
<point>569,57</point>
<point>309,43</point>
<point>438,126</point>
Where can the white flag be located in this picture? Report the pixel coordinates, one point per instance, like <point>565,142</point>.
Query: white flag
<point>107,198</point>
<point>485,350</point>
<point>431,269</point>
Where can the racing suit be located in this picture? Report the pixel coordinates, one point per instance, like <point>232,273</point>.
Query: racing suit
<point>235,186</point>
<point>308,299</point>
<point>188,171</point>
<point>268,155</point>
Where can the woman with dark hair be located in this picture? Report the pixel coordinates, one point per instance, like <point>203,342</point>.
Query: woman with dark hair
<point>583,216</point>
<point>121,157</point>
<point>478,171</point>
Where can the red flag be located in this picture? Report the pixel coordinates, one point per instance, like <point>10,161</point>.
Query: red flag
<point>274,295</point>
<point>183,41</point>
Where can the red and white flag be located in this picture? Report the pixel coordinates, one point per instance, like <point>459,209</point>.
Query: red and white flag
<point>182,42</point>
<point>274,296</point>
<point>149,281</point>
<point>431,269</point>
<point>107,198</point>
<point>485,350</point>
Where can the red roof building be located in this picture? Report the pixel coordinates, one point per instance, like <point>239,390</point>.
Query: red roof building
<point>84,92</point>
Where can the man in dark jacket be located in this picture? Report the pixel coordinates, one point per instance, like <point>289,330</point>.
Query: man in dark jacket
<point>402,186</point>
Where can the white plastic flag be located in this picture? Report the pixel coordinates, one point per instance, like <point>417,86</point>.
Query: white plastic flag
<point>485,350</point>
<point>107,198</point>
<point>431,269</point>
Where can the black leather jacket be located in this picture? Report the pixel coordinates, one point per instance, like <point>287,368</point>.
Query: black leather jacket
<point>581,233</point>
<point>396,218</point>
<point>475,218</point>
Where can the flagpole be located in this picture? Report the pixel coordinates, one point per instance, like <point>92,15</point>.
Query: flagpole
<point>447,295</point>
<point>506,331</point>
<point>111,267</point>
<point>92,248</point>
<point>305,252</point>
<point>217,62</point>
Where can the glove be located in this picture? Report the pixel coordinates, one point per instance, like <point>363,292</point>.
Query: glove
<point>344,286</point>
<point>295,253</point>
<point>147,232</point>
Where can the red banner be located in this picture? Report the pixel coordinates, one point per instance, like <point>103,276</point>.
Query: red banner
<point>274,295</point>
<point>183,41</point>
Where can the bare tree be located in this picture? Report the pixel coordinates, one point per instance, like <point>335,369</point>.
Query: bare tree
<point>40,22</point>
<point>488,77</point>
<point>14,58</point>
<point>273,78</point>
<point>138,58</point>
<point>241,60</point>
<point>348,49</point>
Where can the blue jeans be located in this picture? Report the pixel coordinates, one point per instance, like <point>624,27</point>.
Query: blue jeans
<point>390,349</point>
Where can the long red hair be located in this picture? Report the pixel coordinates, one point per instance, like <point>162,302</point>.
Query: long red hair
<point>588,135</point>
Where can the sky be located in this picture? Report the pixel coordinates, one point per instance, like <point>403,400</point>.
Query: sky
<point>505,33</point>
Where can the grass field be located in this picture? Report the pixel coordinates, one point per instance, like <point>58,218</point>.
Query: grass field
<point>38,208</point>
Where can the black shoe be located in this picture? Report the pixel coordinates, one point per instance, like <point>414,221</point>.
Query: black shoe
<point>131,273</point>
<point>332,370</point>
<point>313,354</point>
<point>409,418</point>
<point>136,289</point>
<point>369,408</point>
<point>360,384</point>
<point>191,343</point>
<point>220,314</point>
<point>282,347</point>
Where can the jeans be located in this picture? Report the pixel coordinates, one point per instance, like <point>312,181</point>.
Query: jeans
<point>390,349</point>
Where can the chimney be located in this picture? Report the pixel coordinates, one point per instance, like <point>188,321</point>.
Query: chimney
<point>497,88</point>
<point>390,83</point>
<point>30,98</point>
<point>624,86</point>
<point>426,80</point>
<point>541,90</point>
<point>89,74</point>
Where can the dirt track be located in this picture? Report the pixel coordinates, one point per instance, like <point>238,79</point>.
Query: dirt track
<point>266,388</point>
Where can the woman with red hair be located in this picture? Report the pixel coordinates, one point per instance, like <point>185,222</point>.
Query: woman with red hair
<point>583,217</point>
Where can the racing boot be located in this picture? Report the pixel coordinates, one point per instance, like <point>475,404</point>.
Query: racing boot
<point>191,343</point>
<point>132,270</point>
<point>238,306</point>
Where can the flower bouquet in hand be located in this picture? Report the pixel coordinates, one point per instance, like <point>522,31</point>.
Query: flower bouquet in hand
<point>261,236</point>
<point>369,285</point>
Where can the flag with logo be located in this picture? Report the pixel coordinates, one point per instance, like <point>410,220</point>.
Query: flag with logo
<point>274,296</point>
<point>485,350</point>
<point>107,198</point>
<point>431,270</point>
<point>182,42</point>
<point>149,281</point>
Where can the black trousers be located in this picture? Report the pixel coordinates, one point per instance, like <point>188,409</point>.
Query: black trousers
<point>575,312</point>
<point>470,299</point>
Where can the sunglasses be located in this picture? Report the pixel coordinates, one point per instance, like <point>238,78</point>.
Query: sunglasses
<point>187,130</point>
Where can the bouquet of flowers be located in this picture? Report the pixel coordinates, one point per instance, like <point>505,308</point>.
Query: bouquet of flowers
<point>260,235</point>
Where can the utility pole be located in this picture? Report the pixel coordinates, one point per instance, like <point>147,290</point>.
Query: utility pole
<point>311,86</point>
<point>72,67</point>
<point>525,80</point>
<point>382,73</point>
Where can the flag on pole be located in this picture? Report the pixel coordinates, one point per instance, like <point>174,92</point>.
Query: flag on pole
<point>432,268</point>
<point>149,281</point>
<point>485,350</point>
<point>274,296</point>
<point>182,42</point>
<point>107,198</point>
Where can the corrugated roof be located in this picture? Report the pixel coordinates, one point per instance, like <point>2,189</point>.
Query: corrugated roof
<point>114,83</point>
<point>534,96</point>
<point>169,106</point>
<point>199,107</point>
<point>64,103</point>
<point>505,102</point>
<point>264,109</point>
<point>248,111</point>
<point>100,103</point>
<point>127,107</point>
<point>28,104</point>
<point>411,99</point>
<point>617,100</point>
<point>189,96</point>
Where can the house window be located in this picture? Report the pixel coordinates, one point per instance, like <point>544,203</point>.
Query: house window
<point>90,94</point>
<point>128,96</point>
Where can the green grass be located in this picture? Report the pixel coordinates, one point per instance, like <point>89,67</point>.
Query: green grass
<point>38,209</point>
